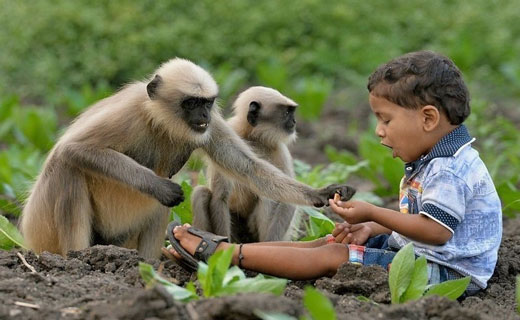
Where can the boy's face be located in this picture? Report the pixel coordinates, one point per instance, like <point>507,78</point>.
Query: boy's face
<point>400,129</point>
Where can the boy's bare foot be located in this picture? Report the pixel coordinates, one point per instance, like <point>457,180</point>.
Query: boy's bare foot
<point>189,241</point>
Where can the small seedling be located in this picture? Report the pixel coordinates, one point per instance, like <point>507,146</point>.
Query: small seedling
<point>10,237</point>
<point>216,279</point>
<point>315,302</point>
<point>408,279</point>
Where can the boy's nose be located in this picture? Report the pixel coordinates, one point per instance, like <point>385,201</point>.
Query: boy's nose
<point>379,132</point>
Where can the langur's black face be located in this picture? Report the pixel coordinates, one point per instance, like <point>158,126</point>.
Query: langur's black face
<point>282,116</point>
<point>197,112</point>
<point>288,121</point>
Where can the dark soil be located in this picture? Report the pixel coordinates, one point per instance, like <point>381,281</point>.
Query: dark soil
<point>103,282</point>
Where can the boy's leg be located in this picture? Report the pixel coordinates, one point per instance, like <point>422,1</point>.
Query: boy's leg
<point>295,244</point>
<point>278,260</point>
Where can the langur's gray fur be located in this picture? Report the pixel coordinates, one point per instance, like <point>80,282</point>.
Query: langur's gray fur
<point>107,178</point>
<point>220,208</point>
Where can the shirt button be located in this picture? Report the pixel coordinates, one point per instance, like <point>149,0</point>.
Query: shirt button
<point>408,168</point>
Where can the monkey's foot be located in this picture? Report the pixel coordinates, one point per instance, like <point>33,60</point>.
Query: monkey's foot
<point>192,245</point>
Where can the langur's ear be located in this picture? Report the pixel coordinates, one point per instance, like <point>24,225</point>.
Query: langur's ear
<point>152,86</point>
<point>252,114</point>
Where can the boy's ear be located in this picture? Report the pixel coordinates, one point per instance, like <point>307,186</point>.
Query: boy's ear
<point>431,117</point>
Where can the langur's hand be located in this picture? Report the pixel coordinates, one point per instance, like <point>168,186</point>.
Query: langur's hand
<point>170,193</point>
<point>352,211</point>
<point>351,233</point>
<point>344,191</point>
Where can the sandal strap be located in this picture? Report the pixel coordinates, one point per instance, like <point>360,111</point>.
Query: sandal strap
<point>207,245</point>
<point>207,235</point>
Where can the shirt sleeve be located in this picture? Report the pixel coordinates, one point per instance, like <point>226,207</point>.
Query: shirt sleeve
<point>444,199</point>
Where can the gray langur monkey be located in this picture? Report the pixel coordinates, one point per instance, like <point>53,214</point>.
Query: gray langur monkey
<point>264,118</point>
<point>106,181</point>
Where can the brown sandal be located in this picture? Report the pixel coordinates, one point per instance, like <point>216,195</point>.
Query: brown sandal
<point>207,246</point>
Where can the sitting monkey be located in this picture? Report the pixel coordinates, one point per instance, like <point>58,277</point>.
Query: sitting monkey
<point>107,179</point>
<point>264,118</point>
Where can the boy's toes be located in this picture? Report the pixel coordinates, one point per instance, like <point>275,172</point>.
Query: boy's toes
<point>179,231</point>
<point>170,253</point>
<point>174,253</point>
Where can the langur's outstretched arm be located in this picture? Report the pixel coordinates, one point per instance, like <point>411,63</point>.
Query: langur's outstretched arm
<point>122,168</point>
<point>235,158</point>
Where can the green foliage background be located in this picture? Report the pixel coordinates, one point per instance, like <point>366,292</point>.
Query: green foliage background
<point>59,56</point>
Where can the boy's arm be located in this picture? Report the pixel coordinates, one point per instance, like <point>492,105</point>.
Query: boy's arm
<point>377,229</point>
<point>347,233</point>
<point>414,226</point>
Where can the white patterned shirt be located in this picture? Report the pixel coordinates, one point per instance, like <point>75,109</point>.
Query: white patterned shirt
<point>452,186</point>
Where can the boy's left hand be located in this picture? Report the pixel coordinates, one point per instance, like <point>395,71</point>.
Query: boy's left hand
<point>352,211</point>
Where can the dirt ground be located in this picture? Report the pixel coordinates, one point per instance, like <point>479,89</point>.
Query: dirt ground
<point>103,282</point>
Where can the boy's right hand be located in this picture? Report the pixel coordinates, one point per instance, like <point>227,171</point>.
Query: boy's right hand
<point>347,233</point>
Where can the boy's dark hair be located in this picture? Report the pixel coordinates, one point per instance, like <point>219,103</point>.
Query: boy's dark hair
<point>423,78</point>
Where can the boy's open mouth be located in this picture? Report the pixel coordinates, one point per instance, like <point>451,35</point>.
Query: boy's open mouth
<point>386,145</point>
<point>394,154</point>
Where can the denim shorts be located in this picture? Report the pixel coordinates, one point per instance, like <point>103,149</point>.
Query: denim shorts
<point>377,252</point>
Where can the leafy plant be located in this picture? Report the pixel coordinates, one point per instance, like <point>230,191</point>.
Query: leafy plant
<point>311,93</point>
<point>182,212</point>
<point>408,279</point>
<point>315,302</point>
<point>320,175</point>
<point>318,305</point>
<point>10,237</point>
<point>318,224</point>
<point>383,170</point>
<point>152,278</point>
<point>216,279</point>
<point>77,100</point>
<point>375,163</point>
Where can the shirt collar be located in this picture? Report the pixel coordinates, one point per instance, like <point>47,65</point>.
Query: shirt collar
<point>447,146</point>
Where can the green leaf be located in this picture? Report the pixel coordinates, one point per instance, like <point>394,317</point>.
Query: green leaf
<point>273,73</point>
<point>319,224</point>
<point>257,284</point>
<point>401,272</point>
<point>318,305</point>
<point>311,93</point>
<point>317,215</point>
<point>151,278</point>
<point>418,282</point>
<point>183,210</point>
<point>9,235</point>
<point>393,173</point>
<point>6,107</point>
<point>190,286</point>
<point>451,289</point>
<point>233,274</point>
<point>363,299</point>
<point>212,278</point>
<point>272,315</point>
<point>518,294</point>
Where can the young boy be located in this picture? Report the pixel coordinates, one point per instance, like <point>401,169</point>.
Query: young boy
<point>449,207</point>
